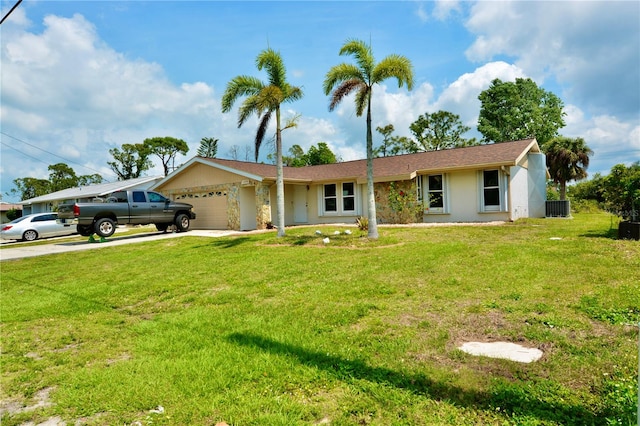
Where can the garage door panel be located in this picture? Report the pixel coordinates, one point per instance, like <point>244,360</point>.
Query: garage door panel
<point>211,212</point>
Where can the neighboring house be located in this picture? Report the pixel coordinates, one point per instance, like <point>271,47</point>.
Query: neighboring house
<point>5,207</point>
<point>48,203</point>
<point>497,182</point>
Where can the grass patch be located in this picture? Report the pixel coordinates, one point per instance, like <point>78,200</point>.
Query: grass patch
<point>260,330</point>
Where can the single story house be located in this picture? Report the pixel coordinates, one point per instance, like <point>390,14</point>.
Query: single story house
<point>498,182</point>
<point>6,207</point>
<point>81,194</point>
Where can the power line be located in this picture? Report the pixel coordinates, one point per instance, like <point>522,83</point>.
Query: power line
<point>43,150</point>
<point>9,13</point>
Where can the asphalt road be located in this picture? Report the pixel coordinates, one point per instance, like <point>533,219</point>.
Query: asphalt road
<point>8,252</point>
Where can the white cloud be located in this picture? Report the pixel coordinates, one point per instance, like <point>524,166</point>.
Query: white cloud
<point>445,8</point>
<point>68,93</point>
<point>561,40</point>
<point>461,96</point>
<point>612,140</point>
<point>421,13</point>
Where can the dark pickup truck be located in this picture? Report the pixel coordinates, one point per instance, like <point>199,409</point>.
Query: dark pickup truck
<point>126,207</point>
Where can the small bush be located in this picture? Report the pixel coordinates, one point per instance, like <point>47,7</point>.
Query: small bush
<point>13,214</point>
<point>585,206</point>
<point>363,223</point>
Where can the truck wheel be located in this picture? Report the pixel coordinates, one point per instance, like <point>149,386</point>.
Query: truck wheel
<point>85,230</point>
<point>162,227</point>
<point>182,222</point>
<point>105,227</point>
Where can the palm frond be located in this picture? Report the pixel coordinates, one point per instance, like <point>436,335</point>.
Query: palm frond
<point>344,90</point>
<point>394,66</point>
<point>272,62</point>
<point>363,55</point>
<point>242,85</point>
<point>251,105</point>
<point>262,130</point>
<point>292,93</point>
<point>339,73</point>
<point>291,122</point>
<point>362,99</point>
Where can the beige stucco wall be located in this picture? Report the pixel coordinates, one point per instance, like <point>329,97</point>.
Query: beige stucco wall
<point>463,201</point>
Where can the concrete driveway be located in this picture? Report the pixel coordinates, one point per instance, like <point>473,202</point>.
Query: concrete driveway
<point>32,250</point>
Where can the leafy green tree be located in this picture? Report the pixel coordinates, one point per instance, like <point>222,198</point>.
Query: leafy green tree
<point>264,100</point>
<point>440,130</point>
<point>393,144</point>
<point>131,161</point>
<point>61,176</point>
<point>297,157</point>
<point>520,110</point>
<point>208,147</point>
<point>345,79</point>
<point>567,160</point>
<point>93,179</point>
<point>622,191</point>
<point>166,148</point>
<point>386,132</point>
<point>28,187</point>
<point>592,189</point>
<point>321,154</point>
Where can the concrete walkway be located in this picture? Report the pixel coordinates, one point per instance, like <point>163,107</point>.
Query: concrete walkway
<point>32,250</point>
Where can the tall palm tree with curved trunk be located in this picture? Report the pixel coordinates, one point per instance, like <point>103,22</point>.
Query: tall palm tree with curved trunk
<point>344,79</point>
<point>567,160</point>
<point>263,100</point>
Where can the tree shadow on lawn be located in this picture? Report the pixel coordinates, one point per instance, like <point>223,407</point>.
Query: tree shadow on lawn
<point>510,399</point>
<point>225,242</point>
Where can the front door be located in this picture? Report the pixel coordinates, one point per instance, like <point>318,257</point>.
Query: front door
<point>300,204</point>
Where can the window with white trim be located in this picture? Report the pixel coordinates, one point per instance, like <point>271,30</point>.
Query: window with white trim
<point>348,197</point>
<point>338,199</point>
<point>330,198</point>
<point>493,191</point>
<point>435,194</point>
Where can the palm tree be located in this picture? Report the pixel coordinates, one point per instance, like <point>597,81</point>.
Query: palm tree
<point>567,160</point>
<point>263,99</point>
<point>359,79</point>
<point>208,147</point>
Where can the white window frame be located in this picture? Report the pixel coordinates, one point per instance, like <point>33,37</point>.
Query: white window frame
<point>502,205</point>
<point>326,197</point>
<point>426,191</point>
<point>345,195</point>
<point>340,197</point>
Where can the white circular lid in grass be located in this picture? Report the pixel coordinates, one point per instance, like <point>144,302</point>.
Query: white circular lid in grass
<point>504,350</point>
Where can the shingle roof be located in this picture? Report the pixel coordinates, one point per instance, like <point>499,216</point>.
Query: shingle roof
<point>400,166</point>
<point>91,190</point>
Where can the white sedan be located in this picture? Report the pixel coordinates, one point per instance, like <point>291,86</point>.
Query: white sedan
<point>34,226</point>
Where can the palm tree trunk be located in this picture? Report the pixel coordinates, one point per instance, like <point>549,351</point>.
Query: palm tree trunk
<point>279,177</point>
<point>563,191</point>
<point>371,198</point>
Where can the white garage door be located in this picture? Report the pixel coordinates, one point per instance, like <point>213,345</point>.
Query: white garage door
<point>211,212</point>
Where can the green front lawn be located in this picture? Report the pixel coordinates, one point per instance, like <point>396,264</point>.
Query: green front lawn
<point>256,330</point>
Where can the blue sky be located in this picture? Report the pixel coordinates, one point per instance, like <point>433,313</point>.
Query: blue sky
<point>81,77</point>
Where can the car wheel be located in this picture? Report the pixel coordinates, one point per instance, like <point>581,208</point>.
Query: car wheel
<point>105,227</point>
<point>85,230</point>
<point>30,235</point>
<point>162,227</point>
<point>182,222</point>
